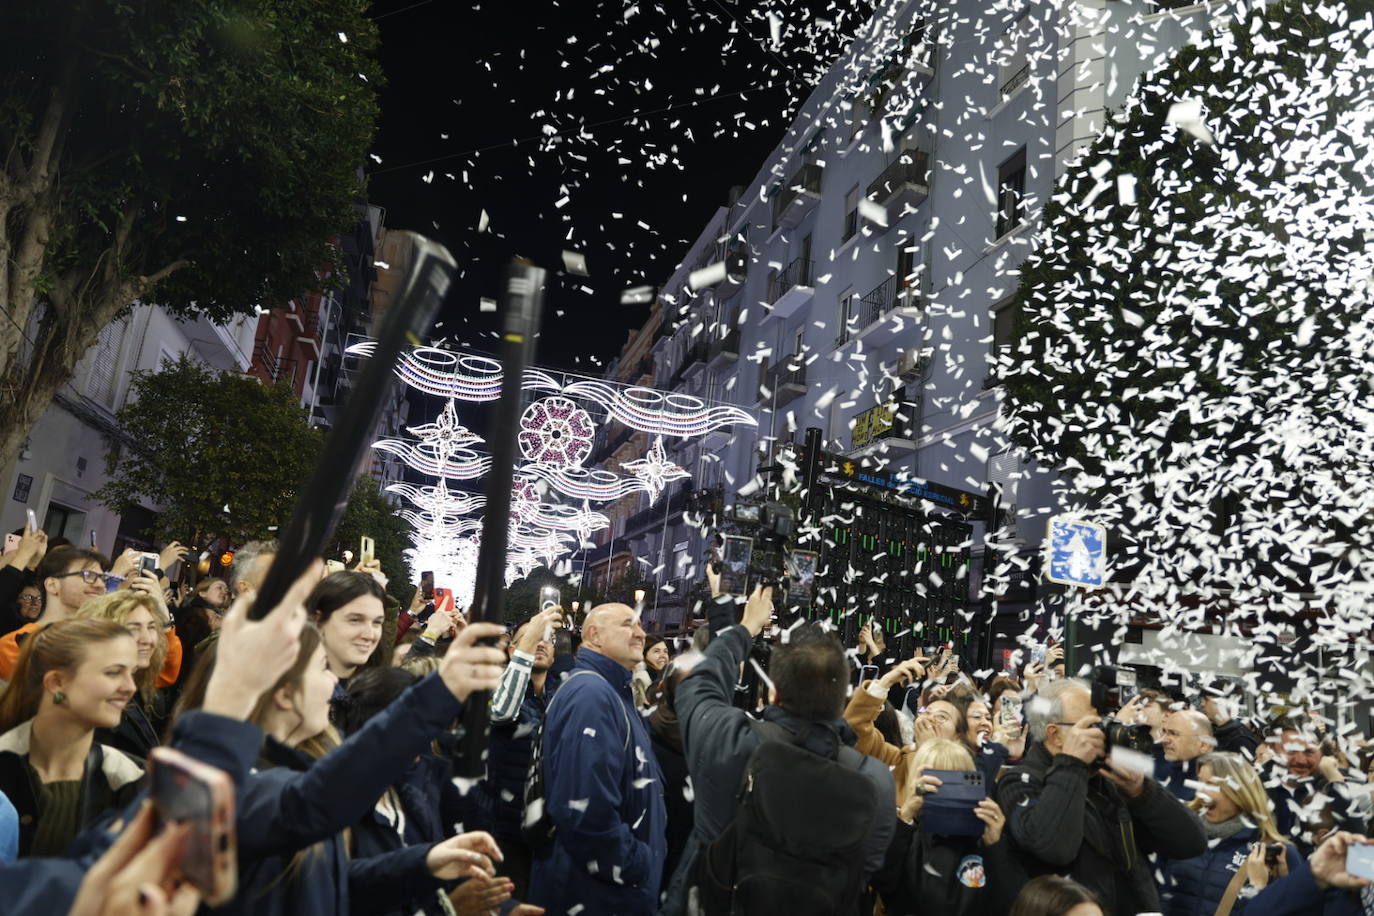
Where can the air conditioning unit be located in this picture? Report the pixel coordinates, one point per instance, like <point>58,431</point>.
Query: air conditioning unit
<point>912,362</point>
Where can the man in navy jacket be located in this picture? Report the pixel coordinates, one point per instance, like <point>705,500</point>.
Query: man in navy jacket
<point>603,787</point>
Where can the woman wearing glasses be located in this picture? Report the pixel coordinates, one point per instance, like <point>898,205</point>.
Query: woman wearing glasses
<point>67,577</point>
<point>72,678</point>
<point>144,616</point>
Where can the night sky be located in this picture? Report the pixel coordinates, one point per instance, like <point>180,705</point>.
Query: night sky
<point>658,109</point>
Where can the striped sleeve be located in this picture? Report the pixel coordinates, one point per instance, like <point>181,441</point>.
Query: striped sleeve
<point>505,702</point>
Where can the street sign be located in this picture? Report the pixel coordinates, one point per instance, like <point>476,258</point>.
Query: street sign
<point>1076,552</point>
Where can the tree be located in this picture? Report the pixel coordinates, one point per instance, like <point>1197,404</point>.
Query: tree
<point>196,153</point>
<point>205,440</point>
<point>370,514</point>
<point>1195,340</point>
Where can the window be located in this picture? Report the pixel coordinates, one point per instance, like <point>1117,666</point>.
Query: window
<point>101,384</point>
<point>1004,316</point>
<point>847,313</point>
<point>851,214</point>
<point>799,342</point>
<point>1011,193</point>
<point>910,276</point>
<point>1014,54</point>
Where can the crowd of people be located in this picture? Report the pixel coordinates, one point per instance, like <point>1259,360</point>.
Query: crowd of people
<point>735,769</point>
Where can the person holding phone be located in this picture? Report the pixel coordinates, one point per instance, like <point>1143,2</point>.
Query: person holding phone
<point>68,578</point>
<point>72,678</point>
<point>864,707</point>
<point>929,872</point>
<point>1245,849</point>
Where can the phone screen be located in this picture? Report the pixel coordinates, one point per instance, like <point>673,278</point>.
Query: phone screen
<point>1038,655</point>
<point>548,597</point>
<point>33,519</point>
<point>734,573</point>
<point>148,562</point>
<point>868,673</point>
<point>1359,861</point>
<point>427,584</point>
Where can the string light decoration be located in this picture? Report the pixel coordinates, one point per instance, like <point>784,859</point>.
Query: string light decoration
<point>654,471</point>
<point>661,412</point>
<point>557,432</point>
<point>462,464</point>
<point>438,498</point>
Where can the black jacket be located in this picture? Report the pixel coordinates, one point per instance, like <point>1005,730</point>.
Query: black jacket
<point>949,875</point>
<point>110,779</point>
<point>1065,819</point>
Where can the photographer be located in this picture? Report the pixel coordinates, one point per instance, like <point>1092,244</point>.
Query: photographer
<point>1320,885</point>
<point>1070,812</point>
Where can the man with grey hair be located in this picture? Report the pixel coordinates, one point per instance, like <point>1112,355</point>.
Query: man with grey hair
<point>1072,812</point>
<point>251,563</point>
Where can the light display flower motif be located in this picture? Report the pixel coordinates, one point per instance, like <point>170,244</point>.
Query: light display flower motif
<point>654,471</point>
<point>555,431</point>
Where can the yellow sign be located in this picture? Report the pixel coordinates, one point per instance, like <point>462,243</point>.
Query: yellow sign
<point>873,424</point>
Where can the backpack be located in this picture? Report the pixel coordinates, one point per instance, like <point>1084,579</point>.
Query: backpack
<point>537,827</point>
<point>796,844</point>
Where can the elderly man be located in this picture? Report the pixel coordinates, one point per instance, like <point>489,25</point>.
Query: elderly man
<point>1070,812</point>
<point>1185,736</point>
<point>603,787</point>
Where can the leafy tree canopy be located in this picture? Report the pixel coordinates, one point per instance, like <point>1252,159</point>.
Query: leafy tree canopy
<point>196,153</point>
<point>206,440</point>
<point>1195,337</point>
<point>369,513</point>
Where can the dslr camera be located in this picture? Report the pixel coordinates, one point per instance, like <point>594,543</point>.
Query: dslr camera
<point>1112,687</point>
<point>770,524</point>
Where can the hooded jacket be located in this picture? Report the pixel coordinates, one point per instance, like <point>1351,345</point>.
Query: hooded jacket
<point>604,794</point>
<point>110,779</point>
<point>1065,819</point>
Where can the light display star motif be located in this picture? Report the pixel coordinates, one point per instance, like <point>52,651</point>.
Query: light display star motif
<point>654,471</point>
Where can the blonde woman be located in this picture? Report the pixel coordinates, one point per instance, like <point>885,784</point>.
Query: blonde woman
<point>927,872</point>
<point>144,616</point>
<point>1240,827</point>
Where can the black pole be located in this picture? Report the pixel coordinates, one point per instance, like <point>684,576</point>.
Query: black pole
<point>524,303</point>
<point>425,273</point>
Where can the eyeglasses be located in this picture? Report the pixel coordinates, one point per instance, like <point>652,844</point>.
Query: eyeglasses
<point>90,576</point>
<point>30,599</point>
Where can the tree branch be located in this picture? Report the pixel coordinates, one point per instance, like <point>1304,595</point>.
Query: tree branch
<point>132,67</point>
<point>50,129</point>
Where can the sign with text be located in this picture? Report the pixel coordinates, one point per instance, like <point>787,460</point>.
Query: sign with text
<point>878,422</point>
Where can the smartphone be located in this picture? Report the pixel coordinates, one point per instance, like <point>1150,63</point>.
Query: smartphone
<point>549,597</point>
<point>1009,710</point>
<point>868,673</point>
<point>184,790</point>
<point>367,549</point>
<point>33,519</point>
<point>735,554</point>
<point>1273,852</point>
<point>94,544</point>
<point>11,543</point>
<point>1037,656</point>
<point>148,562</point>
<point>443,600</point>
<point>948,811</point>
<point>1359,861</point>
<point>427,585</point>
<point>332,566</point>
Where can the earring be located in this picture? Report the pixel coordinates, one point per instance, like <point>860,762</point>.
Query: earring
<point>59,698</point>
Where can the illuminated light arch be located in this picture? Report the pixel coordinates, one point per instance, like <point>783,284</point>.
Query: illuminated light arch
<point>654,470</point>
<point>462,464</point>
<point>661,412</point>
<point>438,498</point>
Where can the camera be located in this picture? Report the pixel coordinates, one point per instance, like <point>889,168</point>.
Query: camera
<point>759,553</point>
<point>1131,737</point>
<point>1113,687</point>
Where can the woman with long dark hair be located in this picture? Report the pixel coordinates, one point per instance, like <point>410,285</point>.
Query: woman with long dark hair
<point>72,678</point>
<point>349,609</point>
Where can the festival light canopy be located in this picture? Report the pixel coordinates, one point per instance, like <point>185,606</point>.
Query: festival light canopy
<point>556,437</point>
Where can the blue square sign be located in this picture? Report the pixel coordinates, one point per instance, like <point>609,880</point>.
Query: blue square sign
<point>1076,552</point>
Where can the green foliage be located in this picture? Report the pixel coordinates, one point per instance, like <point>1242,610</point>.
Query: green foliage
<point>1164,342</point>
<point>204,440</point>
<point>369,513</point>
<point>227,134</point>
<point>522,596</point>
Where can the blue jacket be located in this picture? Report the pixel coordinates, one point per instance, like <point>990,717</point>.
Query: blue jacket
<point>604,794</point>
<point>1175,776</point>
<point>1298,895</point>
<point>502,794</point>
<point>1194,887</point>
<point>9,830</point>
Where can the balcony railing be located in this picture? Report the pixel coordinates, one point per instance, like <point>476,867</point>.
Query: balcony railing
<point>878,302</point>
<point>912,168</point>
<point>725,349</point>
<point>781,383</point>
<point>1016,80</point>
<point>798,273</point>
<point>275,368</point>
<point>805,182</point>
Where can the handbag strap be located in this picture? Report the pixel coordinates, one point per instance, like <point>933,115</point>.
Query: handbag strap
<point>1228,899</point>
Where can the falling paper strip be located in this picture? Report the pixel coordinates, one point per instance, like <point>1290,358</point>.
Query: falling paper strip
<point>486,305</point>
<point>575,263</point>
<point>706,276</point>
<point>874,212</point>
<point>637,295</point>
<point>1187,115</point>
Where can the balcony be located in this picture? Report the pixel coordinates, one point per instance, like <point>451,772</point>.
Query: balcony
<point>798,197</point>
<point>274,369</point>
<point>692,361</point>
<point>783,383</point>
<point>790,289</point>
<point>722,351</point>
<point>903,185</point>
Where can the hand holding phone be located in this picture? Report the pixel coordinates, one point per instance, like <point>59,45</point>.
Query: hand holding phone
<point>950,809</point>
<point>187,791</point>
